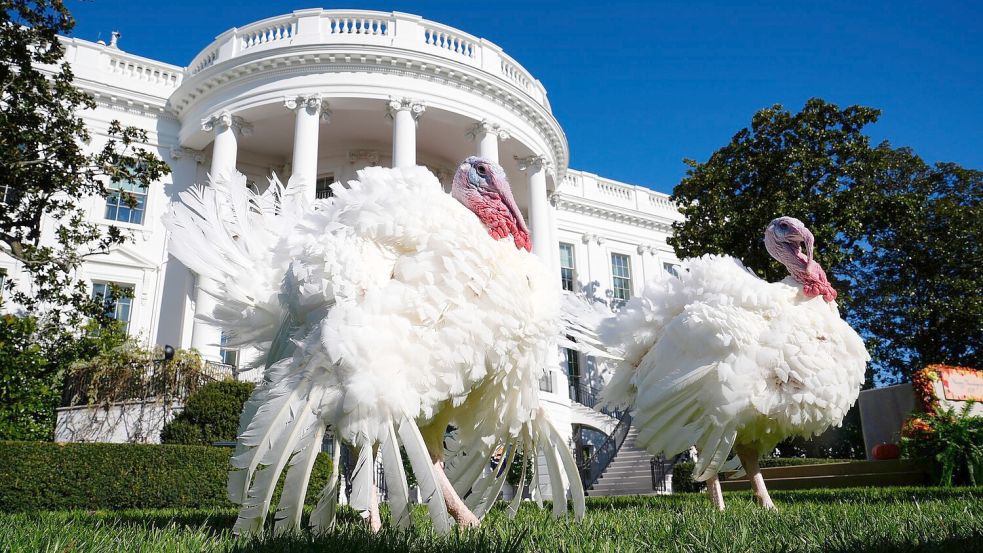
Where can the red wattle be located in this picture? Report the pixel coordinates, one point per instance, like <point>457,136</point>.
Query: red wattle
<point>500,222</point>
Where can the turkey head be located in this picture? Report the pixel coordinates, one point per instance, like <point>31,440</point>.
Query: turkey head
<point>482,187</point>
<point>783,239</point>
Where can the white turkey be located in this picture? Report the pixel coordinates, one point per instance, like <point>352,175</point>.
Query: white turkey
<point>386,313</point>
<point>723,360</point>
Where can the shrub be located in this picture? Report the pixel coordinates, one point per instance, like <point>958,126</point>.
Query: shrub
<point>55,476</point>
<point>951,441</point>
<point>34,354</point>
<point>210,415</point>
<point>682,473</point>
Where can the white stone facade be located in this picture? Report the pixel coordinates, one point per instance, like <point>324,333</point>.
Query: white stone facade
<point>322,93</point>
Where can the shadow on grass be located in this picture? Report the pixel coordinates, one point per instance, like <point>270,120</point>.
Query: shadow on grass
<point>951,545</point>
<point>359,540</point>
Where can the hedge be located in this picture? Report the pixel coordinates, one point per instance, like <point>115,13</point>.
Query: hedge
<point>682,473</point>
<point>37,476</point>
<point>211,414</point>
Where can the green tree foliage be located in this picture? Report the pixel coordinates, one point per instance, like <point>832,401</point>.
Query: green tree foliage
<point>210,415</point>
<point>31,373</point>
<point>899,239</point>
<point>918,287</point>
<point>49,162</point>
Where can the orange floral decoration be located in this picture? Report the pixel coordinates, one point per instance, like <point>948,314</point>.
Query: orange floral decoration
<point>922,382</point>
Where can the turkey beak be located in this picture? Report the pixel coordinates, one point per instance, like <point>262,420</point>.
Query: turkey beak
<point>809,241</point>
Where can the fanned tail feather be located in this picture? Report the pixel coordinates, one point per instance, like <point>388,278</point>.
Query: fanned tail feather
<point>299,470</point>
<point>323,515</point>
<point>416,451</point>
<point>398,491</point>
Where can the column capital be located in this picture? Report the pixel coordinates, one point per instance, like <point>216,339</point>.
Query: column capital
<point>587,238</point>
<point>487,127</point>
<point>313,103</point>
<point>178,152</point>
<point>225,120</point>
<point>534,162</point>
<point>416,107</point>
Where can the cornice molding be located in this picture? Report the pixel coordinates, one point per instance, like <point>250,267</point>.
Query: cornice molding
<point>574,204</point>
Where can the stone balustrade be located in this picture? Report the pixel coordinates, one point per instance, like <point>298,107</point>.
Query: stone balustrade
<point>361,27</point>
<point>587,186</point>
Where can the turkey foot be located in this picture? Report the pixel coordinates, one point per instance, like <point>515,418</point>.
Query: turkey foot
<point>455,505</point>
<point>375,521</point>
<point>749,460</point>
<point>716,495</point>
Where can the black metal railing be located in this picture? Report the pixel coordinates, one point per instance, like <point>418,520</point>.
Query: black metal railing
<point>659,473</point>
<point>215,370</point>
<point>589,396</point>
<point>605,453</point>
<point>141,381</point>
<point>661,469</point>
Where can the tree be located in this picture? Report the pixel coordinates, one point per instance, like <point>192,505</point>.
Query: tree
<point>815,165</point>
<point>918,286</point>
<point>46,168</point>
<point>45,165</point>
<point>899,239</point>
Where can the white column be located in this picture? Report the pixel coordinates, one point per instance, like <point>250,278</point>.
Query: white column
<point>404,112</point>
<point>205,337</point>
<point>539,225</point>
<point>310,111</point>
<point>487,135</point>
<point>225,147</point>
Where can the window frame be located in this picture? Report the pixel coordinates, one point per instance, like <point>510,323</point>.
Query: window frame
<point>572,268</point>
<point>626,287</point>
<point>116,192</point>
<point>118,302</point>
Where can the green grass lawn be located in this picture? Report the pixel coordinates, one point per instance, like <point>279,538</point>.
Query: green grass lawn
<point>897,519</point>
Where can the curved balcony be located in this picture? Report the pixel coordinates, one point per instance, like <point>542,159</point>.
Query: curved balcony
<point>409,32</point>
<point>367,56</point>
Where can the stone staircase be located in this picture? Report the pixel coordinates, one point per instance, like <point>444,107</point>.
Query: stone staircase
<point>630,472</point>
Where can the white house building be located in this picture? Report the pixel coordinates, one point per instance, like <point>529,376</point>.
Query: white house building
<point>325,93</point>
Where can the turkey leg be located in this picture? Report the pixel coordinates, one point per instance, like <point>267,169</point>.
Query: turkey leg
<point>455,505</point>
<point>749,460</point>
<point>716,495</point>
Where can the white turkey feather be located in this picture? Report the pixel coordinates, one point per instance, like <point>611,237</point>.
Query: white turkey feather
<point>323,515</point>
<point>396,486</point>
<point>717,356</point>
<point>388,306</point>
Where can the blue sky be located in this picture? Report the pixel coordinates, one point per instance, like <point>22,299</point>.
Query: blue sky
<point>638,86</point>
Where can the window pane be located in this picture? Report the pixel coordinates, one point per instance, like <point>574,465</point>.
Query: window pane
<point>127,204</point>
<point>116,308</point>
<point>567,267</point>
<point>620,278</point>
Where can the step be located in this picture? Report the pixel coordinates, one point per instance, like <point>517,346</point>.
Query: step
<point>853,467</point>
<point>628,469</point>
<point>636,477</point>
<point>914,478</point>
